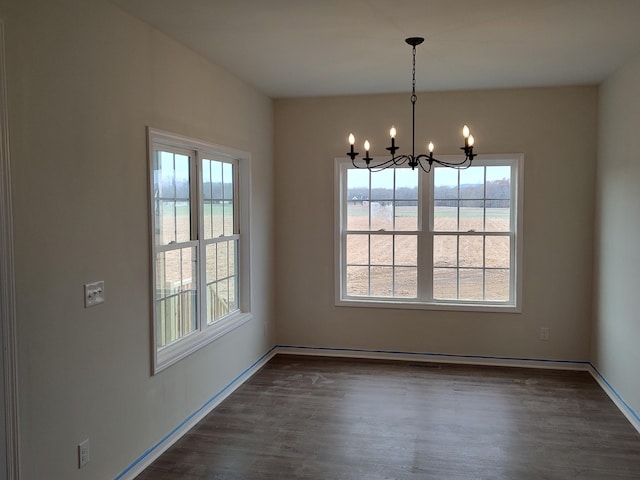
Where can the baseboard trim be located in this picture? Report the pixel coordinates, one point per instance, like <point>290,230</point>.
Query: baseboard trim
<point>433,357</point>
<point>615,397</point>
<point>159,448</point>
<point>148,457</point>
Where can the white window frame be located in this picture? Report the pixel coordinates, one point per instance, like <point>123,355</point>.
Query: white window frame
<point>424,298</point>
<point>204,333</point>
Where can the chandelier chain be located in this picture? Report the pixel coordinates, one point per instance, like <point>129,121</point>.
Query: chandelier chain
<point>413,82</point>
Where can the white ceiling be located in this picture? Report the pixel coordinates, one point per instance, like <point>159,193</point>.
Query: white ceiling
<point>290,48</point>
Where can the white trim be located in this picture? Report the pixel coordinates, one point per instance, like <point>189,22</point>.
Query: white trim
<point>172,437</point>
<point>433,358</point>
<point>623,406</point>
<point>163,445</point>
<point>7,283</point>
<point>618,401</point>
<point>425,233</point>
<point>173,353</point>
<point>205,333</point>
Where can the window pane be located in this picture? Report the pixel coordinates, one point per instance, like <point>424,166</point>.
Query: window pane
<point>471,215</point>
<point>498,216</point>
<point>499,182</point>
<point>445,213</point>
<point>233,294</point>
<point>445,283</point>
<point>171,191</point>
<point>228,217</point>
<point>381,281</point>
<point>222,261</point>
<point>175,295</point>
<point>217,219</point>
<point>165,219</point>
<point>406,282</point>
<point>471,284</point>
<point>358,199</point>
<point>471,251</point>
<point>232,245</point>
<point>207,190</point>
<point>216,179</point>
<point>382,185</point>
<point>207,215</point>
<point>227,176</point>
<point>358,281</point>
<point>406,184</point>
<point>223,298</point>
<point>183,222</point>
<point>164,175</point>
<point>406,215</point>
<point>358,214</point>
<point>222,293</point>
<point>497,252</point>
<point>381,215</point>
<point>357,249</point>
<point>445,182</point>
<point>472,183</point>
<point>445,251</point>
<point>497,285</point>
<point>406,250</point>
<point>381,250</point>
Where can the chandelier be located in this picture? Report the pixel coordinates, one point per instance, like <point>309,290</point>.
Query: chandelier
<point>424,161</point>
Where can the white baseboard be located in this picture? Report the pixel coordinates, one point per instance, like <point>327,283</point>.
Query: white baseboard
<point>623,406</point>
<point>172,437</point>
<point>154,452</point>
<point>433,357</point>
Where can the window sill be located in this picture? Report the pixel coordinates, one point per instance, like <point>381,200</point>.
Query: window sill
<point>442,306</point>
<point>175,352</point>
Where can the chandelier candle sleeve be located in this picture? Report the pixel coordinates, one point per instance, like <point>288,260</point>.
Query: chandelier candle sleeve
<point>424,161</point>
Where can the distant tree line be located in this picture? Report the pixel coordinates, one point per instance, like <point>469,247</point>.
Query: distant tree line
<point>210,190</point>
<point>498,193</point>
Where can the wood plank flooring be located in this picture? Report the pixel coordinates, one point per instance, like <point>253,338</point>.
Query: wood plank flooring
<point>325,418</point>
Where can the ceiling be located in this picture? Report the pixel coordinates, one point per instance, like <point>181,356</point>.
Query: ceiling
<point>292,48</point>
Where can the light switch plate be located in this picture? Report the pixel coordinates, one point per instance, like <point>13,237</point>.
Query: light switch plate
<point>93,293</point>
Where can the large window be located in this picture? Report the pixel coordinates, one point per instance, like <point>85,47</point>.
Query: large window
<point>197,247</point>
<point>447,239</point>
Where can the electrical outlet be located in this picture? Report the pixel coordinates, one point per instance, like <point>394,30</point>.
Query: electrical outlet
<point>93,293</point>
<point>544,333</point>
<point>83,453</point>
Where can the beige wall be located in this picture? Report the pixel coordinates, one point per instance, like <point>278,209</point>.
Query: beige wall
<point>556,130</point>
<point>84,80</point>
<point>616,328</point>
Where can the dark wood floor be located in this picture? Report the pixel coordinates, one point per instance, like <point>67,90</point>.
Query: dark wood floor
<point>324,418</point>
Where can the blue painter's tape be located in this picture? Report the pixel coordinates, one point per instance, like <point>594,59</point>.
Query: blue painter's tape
<point>190,417</point>
<point>626,405</point>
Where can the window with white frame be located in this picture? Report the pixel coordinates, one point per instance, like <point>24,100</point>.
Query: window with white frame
<point>199,289</point>
<point>447,239</point>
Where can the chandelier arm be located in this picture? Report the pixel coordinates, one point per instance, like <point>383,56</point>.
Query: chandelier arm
<point>466,163</point>
<point>423,159</point>
<point>397,161</point>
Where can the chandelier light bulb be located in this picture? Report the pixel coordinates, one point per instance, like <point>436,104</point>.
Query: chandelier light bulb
<point>465,131</point>
<point>352,139</point>
<point>431,147</point>
<point>392,132</point>
<point>366,146</point>
<point>471,140</point>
